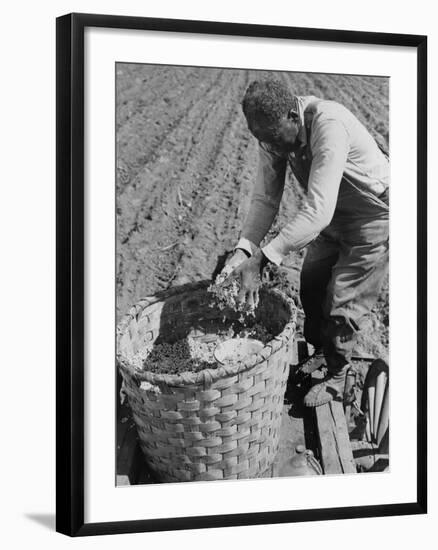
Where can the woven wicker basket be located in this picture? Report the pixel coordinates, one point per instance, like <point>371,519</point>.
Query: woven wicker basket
<point>219,423</point>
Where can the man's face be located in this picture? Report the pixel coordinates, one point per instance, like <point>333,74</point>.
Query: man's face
<point>281,137</point>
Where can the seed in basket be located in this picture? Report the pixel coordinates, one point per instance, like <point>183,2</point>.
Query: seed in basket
<point>196,354</point>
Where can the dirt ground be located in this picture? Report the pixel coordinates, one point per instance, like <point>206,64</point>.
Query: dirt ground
<point>186,163</point>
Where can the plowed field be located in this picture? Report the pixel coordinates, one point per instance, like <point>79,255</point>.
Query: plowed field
<point>186,163</point>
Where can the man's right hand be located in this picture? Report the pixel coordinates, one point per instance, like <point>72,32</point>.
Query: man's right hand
<point>238,257</point>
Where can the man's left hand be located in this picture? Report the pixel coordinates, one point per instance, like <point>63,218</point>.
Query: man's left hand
<point>249,273</point>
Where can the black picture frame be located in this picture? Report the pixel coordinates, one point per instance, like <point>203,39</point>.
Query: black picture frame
<point>70,273</point>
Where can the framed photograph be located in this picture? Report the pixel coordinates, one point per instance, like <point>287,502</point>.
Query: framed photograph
<point>241,269</point>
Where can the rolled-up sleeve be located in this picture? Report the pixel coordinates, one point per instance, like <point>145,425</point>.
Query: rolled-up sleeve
<point>330,146</point>
<point>266,196</point>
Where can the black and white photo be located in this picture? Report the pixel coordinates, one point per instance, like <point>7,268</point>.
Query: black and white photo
<point>253,214</point>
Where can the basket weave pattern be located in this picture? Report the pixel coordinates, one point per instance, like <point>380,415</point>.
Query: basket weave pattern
<point>220,423</point>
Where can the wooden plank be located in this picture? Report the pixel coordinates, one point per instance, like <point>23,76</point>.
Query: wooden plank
<point>335,447</point>
<point>124,420</point>
<point>128,451</point>
<point>291,435</point>
<point>343,439</point>
<point>128,459</point>
<point>327,441</point>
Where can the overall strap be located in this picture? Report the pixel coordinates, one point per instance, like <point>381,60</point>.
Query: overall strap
<point>309,112</point>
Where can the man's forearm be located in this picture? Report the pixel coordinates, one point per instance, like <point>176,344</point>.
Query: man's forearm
<point>330,146</point>
<point>259,220</point>
<point>266,196</point>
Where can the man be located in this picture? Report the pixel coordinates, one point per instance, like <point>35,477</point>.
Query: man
<point>344,221</point>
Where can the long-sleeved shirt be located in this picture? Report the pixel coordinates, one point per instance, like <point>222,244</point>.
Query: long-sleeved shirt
<point>334,146</point>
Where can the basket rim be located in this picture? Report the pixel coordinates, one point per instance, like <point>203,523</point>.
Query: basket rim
<point>205,376</point>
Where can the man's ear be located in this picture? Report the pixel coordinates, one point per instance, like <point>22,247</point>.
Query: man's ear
<point>292,114</point>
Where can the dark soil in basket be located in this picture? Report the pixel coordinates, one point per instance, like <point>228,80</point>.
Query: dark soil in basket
<point>192,354</point>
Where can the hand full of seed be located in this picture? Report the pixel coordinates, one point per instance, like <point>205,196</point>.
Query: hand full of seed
<point>225,290</point>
